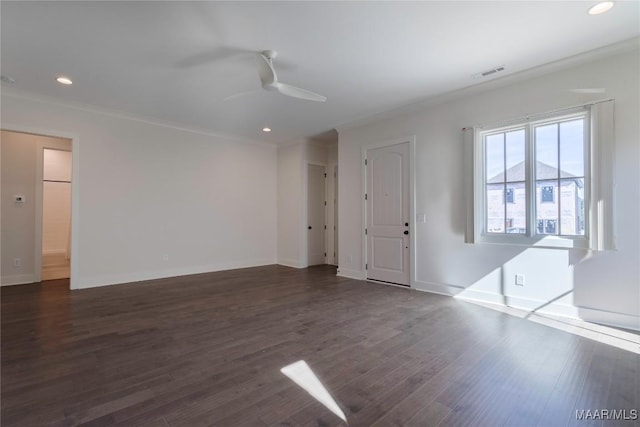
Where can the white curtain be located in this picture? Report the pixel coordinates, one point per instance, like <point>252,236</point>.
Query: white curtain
<point>469,185</point>
<point>601,203</point>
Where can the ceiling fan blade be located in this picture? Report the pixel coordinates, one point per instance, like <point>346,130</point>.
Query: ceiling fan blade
<point>265,70</point>
<point>296,92</point>
<point>239,94</point>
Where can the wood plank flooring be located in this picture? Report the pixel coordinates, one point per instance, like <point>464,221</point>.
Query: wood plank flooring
<point>206,350</point>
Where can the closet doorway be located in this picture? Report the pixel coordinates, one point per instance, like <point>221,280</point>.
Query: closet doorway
<point>56,214</point>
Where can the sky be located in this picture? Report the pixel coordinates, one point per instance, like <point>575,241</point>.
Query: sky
<point>571,148</point>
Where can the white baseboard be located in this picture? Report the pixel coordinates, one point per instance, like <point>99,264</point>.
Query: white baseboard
<point>54,252</point>
<point>115,279</point>
<point>620,320</point>
<point>288,262</point>
<point>17,279</point>
<point>437,288</point>
<point>543,307</point>
<point>351,274</point>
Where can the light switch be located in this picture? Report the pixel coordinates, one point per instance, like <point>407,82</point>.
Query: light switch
<point>421,217</point>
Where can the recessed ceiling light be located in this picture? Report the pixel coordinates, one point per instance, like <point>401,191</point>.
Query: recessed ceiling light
<point>64,80</point>
<point>266,130</point>
<point>601,7</point>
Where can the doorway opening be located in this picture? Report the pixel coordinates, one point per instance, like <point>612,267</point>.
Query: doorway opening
<point>316,215</point>
<point>37,225</point>
<point>56,214</point>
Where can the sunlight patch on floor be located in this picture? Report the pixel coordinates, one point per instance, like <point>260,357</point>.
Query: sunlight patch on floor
<point>607,335</point>
<point>301,374</point>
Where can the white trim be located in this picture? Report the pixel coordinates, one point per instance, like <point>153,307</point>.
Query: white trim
<point>619,320</point>
<point>289,262</point>
<point>18,279</point>
<point>527,304</point>
<point>351,274</point>
<point>411,140</point>
<point>509,79</point>
<point>54,252</point>
<point>75,196</point>
<point>437,288</point>
<point>21,94</point>
<point>115,279</point>
<point>528,124</point>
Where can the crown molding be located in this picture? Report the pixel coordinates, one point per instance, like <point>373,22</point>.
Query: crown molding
<point>31,96</point>
<point>619,48</point>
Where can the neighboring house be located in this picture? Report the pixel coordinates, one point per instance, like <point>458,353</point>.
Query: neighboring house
<point>556,193</point>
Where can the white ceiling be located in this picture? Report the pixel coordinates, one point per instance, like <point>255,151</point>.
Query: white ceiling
<point>177,61</point>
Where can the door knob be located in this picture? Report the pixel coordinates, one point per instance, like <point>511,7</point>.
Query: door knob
<point>406,231</point>
<point>406,224</point>
<point>309,227</point>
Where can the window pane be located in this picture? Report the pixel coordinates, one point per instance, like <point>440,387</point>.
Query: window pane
<point>516,208</point>
<point>515,155</point>
<point>494,149</point>
<point>546,141</point>
<point>572,207</point>
<point>572,148</point>
<point>495,208</point>
<point>546,209</point>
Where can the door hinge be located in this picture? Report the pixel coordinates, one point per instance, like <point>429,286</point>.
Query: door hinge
<point>365,231</point>
<point>325,175</point>
<point>325,203</point>
<point>325,227</point>
<point>366,266</point>
<point>365,196</point>
<point>325,254</point>
<point>365,162</point>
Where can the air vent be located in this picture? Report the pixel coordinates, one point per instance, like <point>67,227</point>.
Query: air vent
<point>488,73</point>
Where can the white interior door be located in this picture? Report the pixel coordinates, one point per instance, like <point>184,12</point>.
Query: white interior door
<point>316,215</point>
<point>387,208</point>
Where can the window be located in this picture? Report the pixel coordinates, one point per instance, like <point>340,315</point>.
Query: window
<point>543,181</point>
<point>546,194</point>
<point>510,198</point>
<point>552,151</point>
<point>535,172</point>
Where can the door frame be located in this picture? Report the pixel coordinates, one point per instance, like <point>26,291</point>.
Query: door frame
<point>75,192</point>
<point>411,140</point>
<point>304,244</point>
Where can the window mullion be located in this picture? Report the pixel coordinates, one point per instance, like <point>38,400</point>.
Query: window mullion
<point>558,180</point>
<point>504,187</point>
<point>530,179</point>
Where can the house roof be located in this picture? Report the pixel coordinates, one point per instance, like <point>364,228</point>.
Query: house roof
<point>517,173</point>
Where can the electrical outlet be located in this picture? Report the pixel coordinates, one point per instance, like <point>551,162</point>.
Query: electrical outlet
<point>520,279</point>
<point>17,262</point>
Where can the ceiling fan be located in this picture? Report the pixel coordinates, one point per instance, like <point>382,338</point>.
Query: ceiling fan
<point>269,81</point>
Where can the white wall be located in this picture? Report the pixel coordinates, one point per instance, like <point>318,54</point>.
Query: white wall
<point>290,201</point>
<point>146,190</point>
<point>56,201</point>
<point>602,287</point>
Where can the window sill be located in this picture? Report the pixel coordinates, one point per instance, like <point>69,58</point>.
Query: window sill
<point>549,242</point>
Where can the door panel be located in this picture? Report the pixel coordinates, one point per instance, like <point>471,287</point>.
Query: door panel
<point>388,214</point>
<point>316,215</point>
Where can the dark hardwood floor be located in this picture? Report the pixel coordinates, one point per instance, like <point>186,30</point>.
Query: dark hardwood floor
<point>208,349</point>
